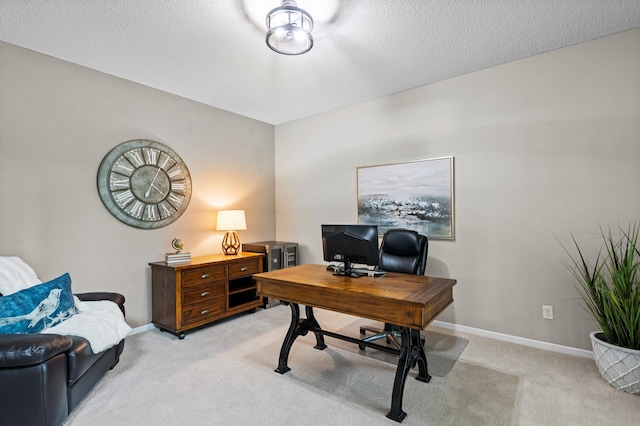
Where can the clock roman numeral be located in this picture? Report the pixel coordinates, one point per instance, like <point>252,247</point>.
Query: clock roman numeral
<point>177,186</point>
<point>175,199</point>
<point>119,183</point>
<point>151,155</point>
<point>151,212</point>
<point>174,173</point>
<point>123,165</point>
<point>124,197</point>
<point>136,157</point>
<point>166,160</point>
<point>166,209</point>
<point>136,209</point>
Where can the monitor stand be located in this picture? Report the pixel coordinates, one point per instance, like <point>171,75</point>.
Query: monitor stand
<point>346,270</point>
<point>354,272</point>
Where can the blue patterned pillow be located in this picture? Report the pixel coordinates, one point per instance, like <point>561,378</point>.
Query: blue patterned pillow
<point>38,307</point>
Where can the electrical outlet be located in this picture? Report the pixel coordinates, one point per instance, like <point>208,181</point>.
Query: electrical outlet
<point>547,312</point>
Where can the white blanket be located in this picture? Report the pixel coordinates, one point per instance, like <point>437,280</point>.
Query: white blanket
<point>100,322</point>
<point>15,275</point>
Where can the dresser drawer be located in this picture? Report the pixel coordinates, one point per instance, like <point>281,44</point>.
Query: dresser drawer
<point>200,293</point>
<point>204,312</point>
<point>202,275</point>
<point>243,269</point>
<point>190,295</point>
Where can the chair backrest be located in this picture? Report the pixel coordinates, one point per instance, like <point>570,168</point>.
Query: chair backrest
<point>404,251</point>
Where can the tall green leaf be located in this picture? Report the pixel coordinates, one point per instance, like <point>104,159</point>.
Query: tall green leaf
<point>610,286</point>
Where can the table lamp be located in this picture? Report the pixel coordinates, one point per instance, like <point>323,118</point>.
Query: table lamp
<point>231,221</point>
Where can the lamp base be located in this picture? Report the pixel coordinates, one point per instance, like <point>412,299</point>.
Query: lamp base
<point>231,243</point>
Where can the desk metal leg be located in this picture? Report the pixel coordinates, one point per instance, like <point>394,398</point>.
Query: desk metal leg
<point>311,322</point>
<point>298,327</point>
<point>412,352</point>
<point>290,337</point>
<point>419,357</point>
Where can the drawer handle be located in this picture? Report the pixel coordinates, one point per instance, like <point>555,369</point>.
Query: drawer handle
<point>244,268</point>
<point>204,276</point>
<point>205,312</point>
<point>205,294</point>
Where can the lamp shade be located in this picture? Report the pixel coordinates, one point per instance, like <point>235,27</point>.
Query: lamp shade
<point>231,220</point>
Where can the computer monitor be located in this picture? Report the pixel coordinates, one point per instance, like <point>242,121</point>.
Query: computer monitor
<point>350,244</point>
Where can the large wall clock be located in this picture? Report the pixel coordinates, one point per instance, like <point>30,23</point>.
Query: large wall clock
<point>144,184</point>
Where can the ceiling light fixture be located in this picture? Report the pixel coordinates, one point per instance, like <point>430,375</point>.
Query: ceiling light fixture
<point>289,29</point>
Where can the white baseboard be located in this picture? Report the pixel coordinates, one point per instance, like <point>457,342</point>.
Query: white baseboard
<point>477,332</point>
<point>141,329</point>
<point>514,339</point>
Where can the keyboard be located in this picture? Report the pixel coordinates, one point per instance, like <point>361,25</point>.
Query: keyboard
<point>369,272</point>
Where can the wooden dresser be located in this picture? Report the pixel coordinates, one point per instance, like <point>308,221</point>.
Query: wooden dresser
<point>206,289</point>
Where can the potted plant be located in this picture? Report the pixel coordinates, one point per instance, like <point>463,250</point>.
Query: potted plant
<point>610,289</point>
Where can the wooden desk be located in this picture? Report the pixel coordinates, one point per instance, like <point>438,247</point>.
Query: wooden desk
<point>409,301</point>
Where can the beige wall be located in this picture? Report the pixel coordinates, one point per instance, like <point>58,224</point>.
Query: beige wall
<point>543,147</point>
<point>58,120</point>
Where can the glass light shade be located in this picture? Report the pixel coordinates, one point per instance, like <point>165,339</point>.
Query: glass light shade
<point>289,29</point>
<point>231,220</point>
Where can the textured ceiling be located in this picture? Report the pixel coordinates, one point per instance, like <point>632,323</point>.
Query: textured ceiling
<point>213,51</point>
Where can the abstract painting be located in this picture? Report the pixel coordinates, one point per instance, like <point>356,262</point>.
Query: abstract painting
<point>415,195</point>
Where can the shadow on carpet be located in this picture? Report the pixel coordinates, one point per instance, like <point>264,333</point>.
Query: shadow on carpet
<point>470,394</point>
<point>442,350</point>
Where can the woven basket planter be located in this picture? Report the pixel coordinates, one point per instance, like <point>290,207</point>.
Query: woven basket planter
<point>618,366</point>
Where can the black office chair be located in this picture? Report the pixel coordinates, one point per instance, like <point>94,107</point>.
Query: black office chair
<point>404,251</point>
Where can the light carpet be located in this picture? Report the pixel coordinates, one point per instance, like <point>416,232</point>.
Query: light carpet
<point>224,374</point>
<point>442,350</point>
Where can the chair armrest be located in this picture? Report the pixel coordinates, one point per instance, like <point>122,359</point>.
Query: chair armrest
<point>96,296</point>
<point>22,350</point>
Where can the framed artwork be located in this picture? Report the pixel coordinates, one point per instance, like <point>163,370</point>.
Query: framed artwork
<point>415,195</point>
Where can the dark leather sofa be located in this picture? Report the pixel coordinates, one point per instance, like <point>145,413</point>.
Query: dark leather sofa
<point>43,377</point>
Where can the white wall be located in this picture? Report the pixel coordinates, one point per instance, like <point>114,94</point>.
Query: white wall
<point>543,147</point>
<point>58,120</point>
